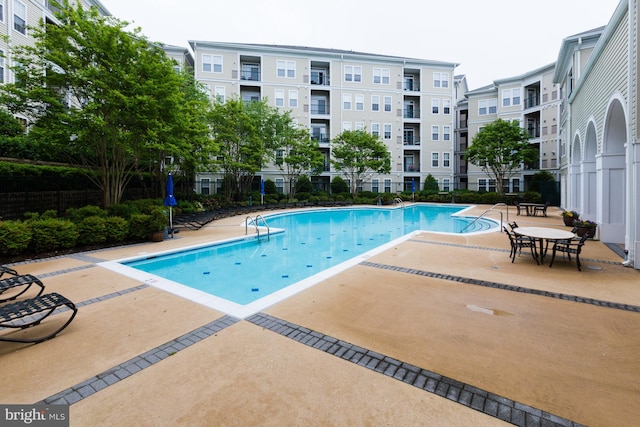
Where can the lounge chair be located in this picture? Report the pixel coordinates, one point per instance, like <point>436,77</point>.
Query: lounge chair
<point>569,247</point>
<point>6,270</point>
<point>519,242</point>
<point>26,281</point>
<point>30,312</point>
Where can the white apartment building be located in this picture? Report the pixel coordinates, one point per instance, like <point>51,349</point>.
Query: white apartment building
<point>532,99</point>
<point>409,103</point>
<point>600,137</point>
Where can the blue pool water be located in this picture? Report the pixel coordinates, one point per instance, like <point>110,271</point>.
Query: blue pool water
<point>312,241</point>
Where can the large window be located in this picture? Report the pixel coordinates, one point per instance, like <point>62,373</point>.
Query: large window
<point>446,106</point>
<point>387,186</point>
<point>19,17</point>
<point>286,69</point>
<point>446,133</point>
<point>279,93</point>
<point>375,103</point>
<point>440,79</point>
<point>387,104</point>
<point>375,129</point>
<point>293,99</point>
<point>510,97</point>
<point>375,185</point>
<point>346,101</point>
<point>487,106</point>
<point>435,106</point>
<point>435,133</point>
<point>446,160</point>
<point>211,63</point>
<point>381,76</point>
<point>359,102</point>
<point>435,162</point>
<point>387,131</point>
<point>352,73</point>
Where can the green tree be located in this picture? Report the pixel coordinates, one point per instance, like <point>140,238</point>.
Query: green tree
<point>108,95</point>
<point>499,149</point>
<point>431,184</point>
<point>301,156</point>
<point>360,155</point>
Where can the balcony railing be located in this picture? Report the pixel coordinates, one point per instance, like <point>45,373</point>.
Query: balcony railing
<point>534,132</point>
<point>250,75</point>
<point>532,101</point>
<point>412,168</point>
<point>320,81</point>
<point>321,138</point>
<point>411,87</point>
<point>411,114</point>
<point>412,141</point>
<point>319,109</point>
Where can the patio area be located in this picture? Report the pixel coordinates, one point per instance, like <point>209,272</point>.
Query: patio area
<point>438,330</point>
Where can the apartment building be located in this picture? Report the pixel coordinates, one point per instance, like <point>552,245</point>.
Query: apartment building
<point>597,72</point>
<point>407,102</point>
<point>16,16</point>
<point>532,99</point>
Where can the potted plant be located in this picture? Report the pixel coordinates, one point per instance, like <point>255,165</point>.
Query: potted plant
<point>570,217</point>
<point>585,227</point>
<point>158,221</point>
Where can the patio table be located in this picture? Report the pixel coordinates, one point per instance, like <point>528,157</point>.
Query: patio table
<point>542,234</point>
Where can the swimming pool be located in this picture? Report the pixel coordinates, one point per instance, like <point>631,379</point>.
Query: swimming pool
<point>242,276</point>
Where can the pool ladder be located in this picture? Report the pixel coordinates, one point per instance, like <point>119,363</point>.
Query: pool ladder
<point>491,209</point>
<point>255,222</point>
<point>398,201</point>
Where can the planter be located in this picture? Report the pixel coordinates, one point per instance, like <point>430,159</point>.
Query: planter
<point>569,220</point>
<point>589,231</point>
<point>157,236</point>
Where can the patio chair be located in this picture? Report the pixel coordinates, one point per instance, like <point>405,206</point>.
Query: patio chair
<point>31,312</point>
<point>519,242</point>
<point>569,247</point>
<point>25,281</point>
<point>6,270</point>
<point>541,209</point>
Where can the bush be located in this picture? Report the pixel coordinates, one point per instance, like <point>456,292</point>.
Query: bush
<point>14,237</point>
<point>139,226</point>
<point>77,215</point>
<point>122,210</point>
<point>51,234</point>
<point>339,185</point>
<point>116,229</point>
<point>92,230</point>
<point>303,184</point>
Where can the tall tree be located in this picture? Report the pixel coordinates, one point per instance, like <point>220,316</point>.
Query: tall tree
<point>110,94</point>
<point>298,156</point>
<point>499,149</point>
<point>359,155</point>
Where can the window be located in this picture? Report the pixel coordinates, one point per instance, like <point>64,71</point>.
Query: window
<point>1,10</point>
<point>482,184</point>
<point>435,106</point>
<point>346,101</point>
<point>1,66</point>
<point>280,185</point>
<point>434,160</point>
<point>346,126</point>
<point>440,80</point>
<point>446,184</point>
<point>205,186</point>
<point>279,157</point>
<point>387,186</point>
<point>446,106</point>
<point>375,129</point>
<point>487,106</point>
<point>510,97</point>
<point>387,104</point>
<point>387,131</point>
<point>375,103</point>
<point>220,92</point>
<point>293,99</point>
<point>352,73</point>
<point>515,182</point>
<point>219,182</point>
<point>279,98</point>
<point>19,17</point>
<point>446,161</point>
<point>375,185</point>
<point>381,76</point>
<point>359,102</point>
<point>286,69</point>
<point>446,133</point>
<point>492,185</point>
<point>359,126</point>
<point>435,133</point>
<point>211,63</point>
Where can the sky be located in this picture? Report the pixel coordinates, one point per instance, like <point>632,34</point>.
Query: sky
<point>489,39</point>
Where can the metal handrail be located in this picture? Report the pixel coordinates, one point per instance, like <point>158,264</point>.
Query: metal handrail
<point>255,223</point>
<point>398,201</point>
<point>483,214</point>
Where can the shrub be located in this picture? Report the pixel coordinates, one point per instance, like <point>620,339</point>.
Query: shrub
<point>92,230</point>
<point>122,210</point>
<point>303,184</point>
<point>139,226</point>
<point>50,234</point>
<point>77,215</point>
<point>14,237</point>
<point>339,185</point>
<point>116,229</point>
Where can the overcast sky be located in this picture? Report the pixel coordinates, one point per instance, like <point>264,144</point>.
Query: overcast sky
<point>490,39</point>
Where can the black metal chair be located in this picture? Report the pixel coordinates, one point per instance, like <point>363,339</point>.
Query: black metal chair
<point>31,312</point>
<point>25,281</point>
<point>569,247</point>
<point>519,242</point>
<point>541,209</point>
<point>6,270</point>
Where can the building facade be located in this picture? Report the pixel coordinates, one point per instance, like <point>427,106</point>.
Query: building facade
<point>600,147</point>
<point>409,103</point>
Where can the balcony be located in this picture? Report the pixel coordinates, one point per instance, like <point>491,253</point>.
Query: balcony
<point>412,168</point>
<point>533,131</point>
<point>322,138</point>
<point>411,141</point>
<point>410,114</point>
<point>411,86</point>
<point>250,75</point>
<point>319,109</point>
<point>320,80</point>
<point>531,101</point>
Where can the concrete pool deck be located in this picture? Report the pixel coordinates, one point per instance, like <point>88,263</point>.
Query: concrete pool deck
<point>437,330</point>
